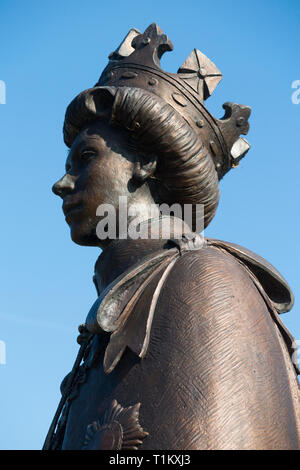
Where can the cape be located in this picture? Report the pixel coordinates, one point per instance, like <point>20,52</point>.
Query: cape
<point>183,349</point>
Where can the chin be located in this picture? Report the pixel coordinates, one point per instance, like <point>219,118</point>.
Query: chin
<point>84,237</point>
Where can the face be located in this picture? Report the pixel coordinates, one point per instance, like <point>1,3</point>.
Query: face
<point>98,171</point>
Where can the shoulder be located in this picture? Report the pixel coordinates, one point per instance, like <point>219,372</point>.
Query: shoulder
<point>222,263</point>
<point>206,273</point>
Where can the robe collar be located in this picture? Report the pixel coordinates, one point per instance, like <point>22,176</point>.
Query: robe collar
<point>121,254</point>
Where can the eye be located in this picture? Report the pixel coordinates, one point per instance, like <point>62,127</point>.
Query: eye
<point>87,154</point>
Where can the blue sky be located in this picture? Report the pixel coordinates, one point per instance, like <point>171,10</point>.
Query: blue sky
<point>50,51</point>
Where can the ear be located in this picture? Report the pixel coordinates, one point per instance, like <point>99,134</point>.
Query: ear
<point>144,170</point>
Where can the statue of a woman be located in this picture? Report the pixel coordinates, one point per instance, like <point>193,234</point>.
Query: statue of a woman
<point>184,347</point>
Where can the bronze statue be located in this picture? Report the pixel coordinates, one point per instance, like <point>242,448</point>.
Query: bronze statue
<point>183,348</point>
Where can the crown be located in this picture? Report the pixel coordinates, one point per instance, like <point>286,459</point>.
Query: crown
<point>136,63</point>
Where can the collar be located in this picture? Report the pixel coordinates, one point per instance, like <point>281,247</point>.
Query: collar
<point>123,253</point>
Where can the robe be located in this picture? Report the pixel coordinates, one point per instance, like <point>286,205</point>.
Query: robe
<point>183,349</point>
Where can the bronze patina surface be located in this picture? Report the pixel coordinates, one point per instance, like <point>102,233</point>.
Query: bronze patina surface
<point>184,347</point>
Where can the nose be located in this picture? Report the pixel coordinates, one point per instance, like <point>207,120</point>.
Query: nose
<point>64,186</point>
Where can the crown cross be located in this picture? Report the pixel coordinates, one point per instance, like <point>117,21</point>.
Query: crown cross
<point>200,73</point>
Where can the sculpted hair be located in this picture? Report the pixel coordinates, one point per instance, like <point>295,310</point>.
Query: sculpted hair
<point>185,171</point>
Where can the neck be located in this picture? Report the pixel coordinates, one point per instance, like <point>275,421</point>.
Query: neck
<point>124,252</point>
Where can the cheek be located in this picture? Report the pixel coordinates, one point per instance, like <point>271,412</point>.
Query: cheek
<point>106,180</point>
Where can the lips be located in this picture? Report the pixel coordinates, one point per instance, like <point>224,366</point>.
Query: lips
<point>71,207</point>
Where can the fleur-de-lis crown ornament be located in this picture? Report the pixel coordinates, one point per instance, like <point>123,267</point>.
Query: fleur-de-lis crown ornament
<point>136,63</point>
